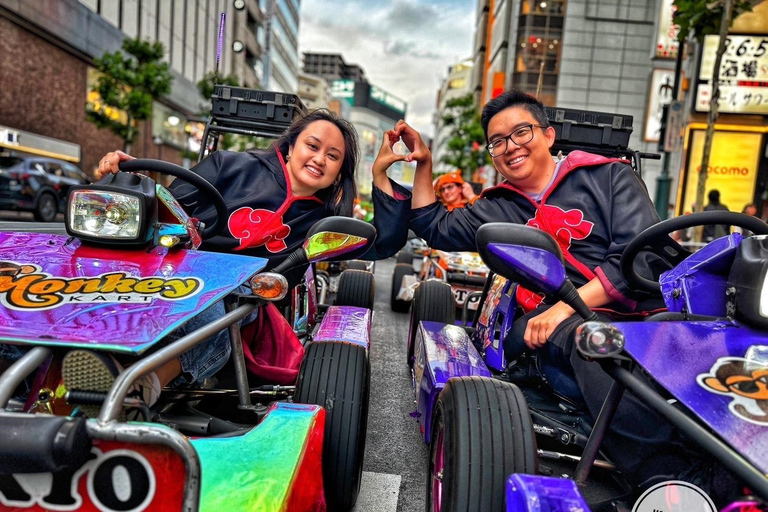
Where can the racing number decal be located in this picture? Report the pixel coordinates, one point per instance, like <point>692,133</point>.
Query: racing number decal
<point>117,481</point>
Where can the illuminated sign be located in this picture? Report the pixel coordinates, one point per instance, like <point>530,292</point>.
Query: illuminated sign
<point>388,99</point>
<point>733,166</point>
<point>343,89</point>
<point>743,75</point>
<point>666,38</point>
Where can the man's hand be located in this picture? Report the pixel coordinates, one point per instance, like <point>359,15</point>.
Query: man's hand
<point>109,164</point>
<point>419,150</point>
<point>387,155</point>
<point>541,327</point>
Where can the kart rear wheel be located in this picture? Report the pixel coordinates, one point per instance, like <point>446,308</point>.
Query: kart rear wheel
<point>356,288</point>
<point>401,270</point>
<point>337,376</point>
<point>356,265</point>
<point>405,256</point>
<point>433,301</point>
<point>482,433</point>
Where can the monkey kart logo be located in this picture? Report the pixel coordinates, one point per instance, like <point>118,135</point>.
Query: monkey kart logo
<point>745,380</point>
<point>26,287</point>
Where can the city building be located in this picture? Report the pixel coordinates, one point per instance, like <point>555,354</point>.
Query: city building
<point>457,84</point>
<point>281,46</point>
<point>47,63</point>
<point>314,91</point>
<point>331,66</point>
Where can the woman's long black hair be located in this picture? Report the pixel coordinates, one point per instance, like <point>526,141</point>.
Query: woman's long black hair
<point>340,197</point>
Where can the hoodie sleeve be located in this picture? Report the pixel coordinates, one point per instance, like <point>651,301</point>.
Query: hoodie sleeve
<point>455,230</point>
<point>188,195</point>
<point>390,218</point>
<point>631,212</point>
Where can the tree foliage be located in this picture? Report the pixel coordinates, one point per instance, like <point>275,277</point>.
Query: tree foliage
<point>127,85</point>
<point>466,144</point>
<point>700,18</point>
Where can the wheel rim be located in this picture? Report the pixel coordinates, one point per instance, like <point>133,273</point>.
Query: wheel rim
<point>47,207</point>
<point>437,473</point>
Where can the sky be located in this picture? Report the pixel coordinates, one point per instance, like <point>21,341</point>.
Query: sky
<point>404,46</point>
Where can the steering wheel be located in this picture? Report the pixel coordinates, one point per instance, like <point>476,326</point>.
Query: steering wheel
<point>208,190</point>
<point>656,238</point>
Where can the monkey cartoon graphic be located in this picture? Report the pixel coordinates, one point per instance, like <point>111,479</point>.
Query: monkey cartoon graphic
<point>11,269</point>
<point>743,379</point>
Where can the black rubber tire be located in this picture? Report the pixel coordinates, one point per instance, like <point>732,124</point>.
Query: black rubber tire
<point>401,270</point>
<point>337,376</point>
<point>356,265</point>
<point>433,301</point>
<point>488,435</point>
<point>356,288</point>
<point>47,208</point>
<point>405,256</point>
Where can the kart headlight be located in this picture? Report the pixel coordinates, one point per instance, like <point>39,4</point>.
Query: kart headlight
<point>747,291</point>
<point>120,211</point>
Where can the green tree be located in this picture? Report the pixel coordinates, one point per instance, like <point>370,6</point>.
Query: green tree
<point>466,145</point>
<point>228,140</point>
<point>128,84</point>
<point>698,19</point>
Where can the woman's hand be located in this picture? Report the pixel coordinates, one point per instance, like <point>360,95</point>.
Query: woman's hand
<point>387,155</point>
<point>109,164</point>
<point>412,139</point>
<point>541,327</point>
<point>467,191</point>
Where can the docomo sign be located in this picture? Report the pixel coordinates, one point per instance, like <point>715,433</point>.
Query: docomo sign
<point>725,171</point>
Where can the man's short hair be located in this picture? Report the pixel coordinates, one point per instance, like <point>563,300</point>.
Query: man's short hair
<point>714,196</point>
<point>513,98</point>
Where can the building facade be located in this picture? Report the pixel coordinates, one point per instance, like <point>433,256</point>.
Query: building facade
<point>457,84</point>
<point>331,66</point>
<point>314,91</point>
<point>51,44</point>
<point>281,49</point>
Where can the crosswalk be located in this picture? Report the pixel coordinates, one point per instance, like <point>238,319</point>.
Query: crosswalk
<point>378,493</point>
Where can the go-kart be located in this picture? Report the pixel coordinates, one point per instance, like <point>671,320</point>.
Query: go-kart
<point>706,359</point>
<point>125,274</point>
<point>465,272</point>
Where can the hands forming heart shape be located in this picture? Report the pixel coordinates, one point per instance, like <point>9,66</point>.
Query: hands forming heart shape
<point>412,140</point>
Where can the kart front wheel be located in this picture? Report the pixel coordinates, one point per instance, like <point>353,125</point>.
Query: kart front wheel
<point>401,270</point>
<point>336,376</point>
<point>356,288</point>
<point>433,302</point>
<point>482,433</point>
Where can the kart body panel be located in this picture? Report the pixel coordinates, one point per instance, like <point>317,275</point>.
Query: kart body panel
<point>682,355</point>
<point>497,311</point>
<point>274,467</point>
<point>64,293</point>
<point>540,493</point>
<point>441,352</point>
<point>345,323</point>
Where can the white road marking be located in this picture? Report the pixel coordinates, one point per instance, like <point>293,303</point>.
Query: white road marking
<point>378,493</point>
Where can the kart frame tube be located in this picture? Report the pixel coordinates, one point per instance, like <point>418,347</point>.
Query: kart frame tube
<point>114,400</point>
<point>19,370</point>
<point>753,478</point>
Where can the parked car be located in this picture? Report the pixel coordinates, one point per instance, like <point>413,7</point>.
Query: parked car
<point>38,185</point>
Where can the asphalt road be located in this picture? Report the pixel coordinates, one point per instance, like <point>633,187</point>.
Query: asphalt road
<point>394,447</point>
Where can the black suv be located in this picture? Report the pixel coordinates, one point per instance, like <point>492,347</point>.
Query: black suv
<point>38,185</point>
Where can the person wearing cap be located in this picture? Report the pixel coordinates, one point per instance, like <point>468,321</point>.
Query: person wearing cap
<point>453,191</point>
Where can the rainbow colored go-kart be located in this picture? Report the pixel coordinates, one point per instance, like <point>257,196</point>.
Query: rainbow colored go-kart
<point>707,356</point>
<point>126,276</point>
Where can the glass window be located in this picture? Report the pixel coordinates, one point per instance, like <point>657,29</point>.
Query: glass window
<point>54,169</point>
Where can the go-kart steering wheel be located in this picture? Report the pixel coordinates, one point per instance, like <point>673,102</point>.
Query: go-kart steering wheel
<point>656,238</point>
<point>208,190</point>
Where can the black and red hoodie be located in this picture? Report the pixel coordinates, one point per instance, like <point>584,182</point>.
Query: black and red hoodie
<point>594,208</point>
<point>264,219</point>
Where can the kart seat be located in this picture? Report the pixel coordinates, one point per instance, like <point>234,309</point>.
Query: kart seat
<point>42,444</point>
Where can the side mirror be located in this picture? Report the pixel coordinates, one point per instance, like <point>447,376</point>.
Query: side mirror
<point>332,238</point>
<point>531,258</point>
<point>522,254</point>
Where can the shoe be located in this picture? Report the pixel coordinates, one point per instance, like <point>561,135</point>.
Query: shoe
<point>84,370</point>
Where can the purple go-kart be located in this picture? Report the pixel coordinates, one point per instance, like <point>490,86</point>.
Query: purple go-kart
<point>708,356</point>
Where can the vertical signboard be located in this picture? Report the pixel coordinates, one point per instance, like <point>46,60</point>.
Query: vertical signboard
<point>733,165</point>
<point>666,37</point>
<point>662,87</point>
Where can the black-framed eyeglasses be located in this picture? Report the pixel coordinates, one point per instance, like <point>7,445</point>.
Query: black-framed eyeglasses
<point>520,137</point>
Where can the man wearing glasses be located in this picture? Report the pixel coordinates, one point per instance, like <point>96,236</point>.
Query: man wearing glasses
<point>593,206</point>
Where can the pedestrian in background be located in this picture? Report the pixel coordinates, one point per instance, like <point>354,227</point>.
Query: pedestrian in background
<point>713,231</point>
